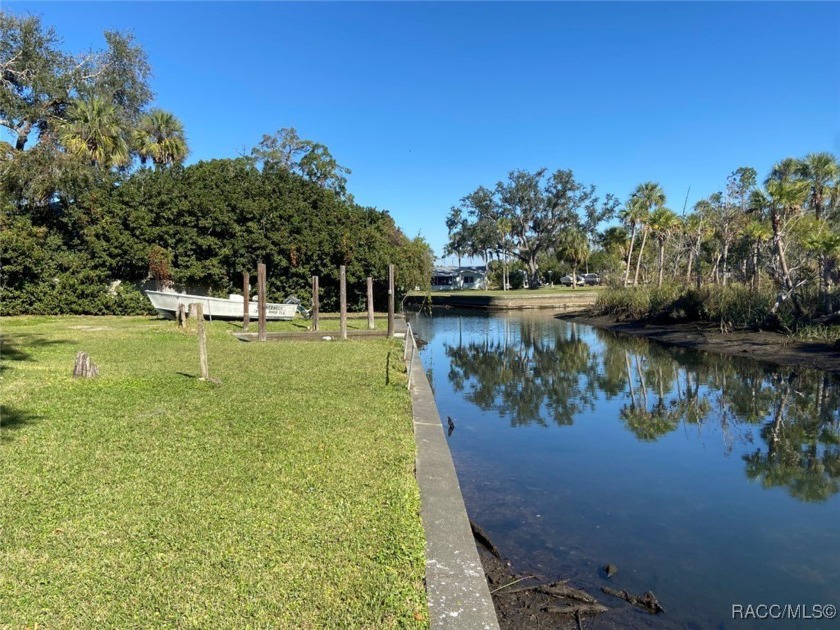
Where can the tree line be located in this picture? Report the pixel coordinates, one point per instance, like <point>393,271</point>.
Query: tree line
<point>95,201</point>
<point>782,233</point>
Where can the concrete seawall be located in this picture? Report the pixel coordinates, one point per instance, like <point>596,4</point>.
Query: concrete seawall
<point>456,586</point>
<point>571,301</point>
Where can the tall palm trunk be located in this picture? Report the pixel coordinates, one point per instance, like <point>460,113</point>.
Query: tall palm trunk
<point>641,253</point>
<point>630,255</point>
<point>661,260</point>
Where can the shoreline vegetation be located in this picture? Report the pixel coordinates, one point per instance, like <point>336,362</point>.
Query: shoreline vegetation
<point>756,345</point>
<point>285,494</point>
<point>726,320</point>
<point>758,253</point>
<point>733,320</point>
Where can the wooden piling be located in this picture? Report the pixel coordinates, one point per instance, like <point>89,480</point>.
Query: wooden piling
<point>84,367</point>
<point>246,294</point>
<point>261,300</point>
<point>342,292</point>
<point>370,303</point>
<point>390,301</point>
<point>202,341</point>
<point>316,303</point>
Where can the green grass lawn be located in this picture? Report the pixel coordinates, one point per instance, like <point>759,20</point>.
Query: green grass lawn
<point>328,322</point>
<point>282,498</point>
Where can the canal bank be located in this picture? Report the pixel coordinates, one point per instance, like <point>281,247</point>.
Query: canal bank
<point>456,588</point>
<point>567,301</point>
<point>577,448</point>
<point>759,345</point>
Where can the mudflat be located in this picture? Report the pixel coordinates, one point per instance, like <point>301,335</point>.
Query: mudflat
<point>759,345</point>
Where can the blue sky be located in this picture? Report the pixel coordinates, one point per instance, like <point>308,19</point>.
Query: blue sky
<point>427,101</point>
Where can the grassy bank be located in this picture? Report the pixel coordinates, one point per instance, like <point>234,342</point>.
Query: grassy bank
<point>327,322</point>
<point>732,307</point>
<point>282,498</point>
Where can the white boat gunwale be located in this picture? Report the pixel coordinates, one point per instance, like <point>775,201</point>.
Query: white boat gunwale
<point>166,303</point>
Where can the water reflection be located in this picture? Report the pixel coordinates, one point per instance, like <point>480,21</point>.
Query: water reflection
<point>536,372</point>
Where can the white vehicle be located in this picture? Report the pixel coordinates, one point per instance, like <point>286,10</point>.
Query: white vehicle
<point>567,281</point>
<point>167,302</point>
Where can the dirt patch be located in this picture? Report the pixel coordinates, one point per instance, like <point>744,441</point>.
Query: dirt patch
<point>758,345</point>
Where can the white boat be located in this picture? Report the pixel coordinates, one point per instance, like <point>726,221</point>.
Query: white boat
<point>167,302</point>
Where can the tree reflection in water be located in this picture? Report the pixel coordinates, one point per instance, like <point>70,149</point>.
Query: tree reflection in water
<point>538,373</point>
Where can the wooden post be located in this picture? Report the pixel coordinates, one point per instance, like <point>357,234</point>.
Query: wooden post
<point>261,300</point>
<point>84,367</point>
<point>181,315</point>
<point>370,303</point>
<point>316,302</point>
<point>342,294</point>
<point>202,342</point>
<point>246,294</point>
<point>390,301</point>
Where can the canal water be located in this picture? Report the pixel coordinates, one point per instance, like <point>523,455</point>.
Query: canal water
<point>710,480</point>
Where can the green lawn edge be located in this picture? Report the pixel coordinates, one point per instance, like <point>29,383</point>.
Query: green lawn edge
<point>282,498</point>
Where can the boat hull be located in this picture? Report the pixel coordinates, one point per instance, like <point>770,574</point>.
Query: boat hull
<point>167,304</point>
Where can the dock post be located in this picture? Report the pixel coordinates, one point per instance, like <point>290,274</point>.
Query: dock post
<point>371,325</point>
<point>390,301</point>
<point>316,303</point>
<point>342,291</point>
<point>246,294</point>
<point>202,342</point>
<point>261,300</point>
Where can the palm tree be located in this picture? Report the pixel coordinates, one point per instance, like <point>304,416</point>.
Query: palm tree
<point>504,227</point>
<point>786,197</point>
<point>785,170</point>
<point>574,248</point>
<point>662,222</point>
<point>631,215</point>
<point>650,195</point>
<point>822,172</point>
<point>159,137</point>
<point>756,232</point>
<point>94,132</point>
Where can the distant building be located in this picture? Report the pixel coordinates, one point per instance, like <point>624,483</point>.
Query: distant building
<point>457,278</point>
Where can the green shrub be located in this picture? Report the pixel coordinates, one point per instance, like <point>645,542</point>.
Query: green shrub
<point>737,306</point>
<point>661,301</point>
<point>129,300</point>
<point>629,303</point>
<point>74,294</point>
<point>733,306</point>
